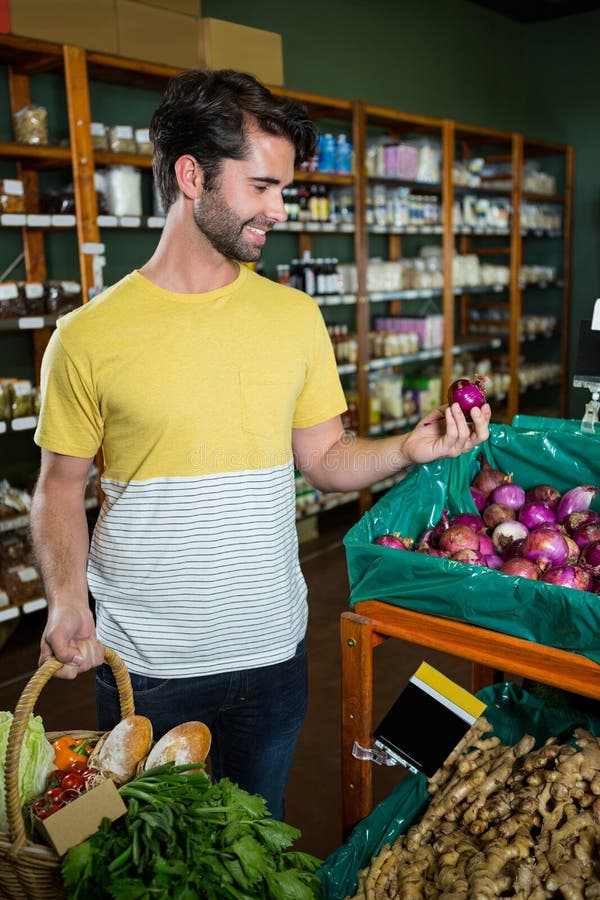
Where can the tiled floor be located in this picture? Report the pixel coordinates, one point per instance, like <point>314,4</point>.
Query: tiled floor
<point>314,794</point>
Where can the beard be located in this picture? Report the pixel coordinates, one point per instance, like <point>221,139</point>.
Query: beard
<point>224,229</point>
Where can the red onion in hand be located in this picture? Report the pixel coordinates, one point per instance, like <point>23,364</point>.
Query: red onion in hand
<point>468,394</point>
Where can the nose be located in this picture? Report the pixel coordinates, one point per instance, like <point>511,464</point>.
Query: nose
<point>277,208</point>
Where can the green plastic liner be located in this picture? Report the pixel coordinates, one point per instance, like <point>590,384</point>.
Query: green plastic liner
<point>535,451</point>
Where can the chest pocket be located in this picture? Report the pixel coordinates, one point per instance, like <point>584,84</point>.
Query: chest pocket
<point>268,400</point>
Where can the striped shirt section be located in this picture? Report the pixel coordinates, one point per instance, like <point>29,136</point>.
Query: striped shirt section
<point>199,575</point>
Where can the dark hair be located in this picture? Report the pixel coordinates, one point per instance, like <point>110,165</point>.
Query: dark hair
<point>207,113</point>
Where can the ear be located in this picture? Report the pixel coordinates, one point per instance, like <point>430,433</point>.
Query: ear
<point>189,176</point>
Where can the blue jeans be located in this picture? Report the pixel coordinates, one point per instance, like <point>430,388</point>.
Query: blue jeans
<point>254,715</point>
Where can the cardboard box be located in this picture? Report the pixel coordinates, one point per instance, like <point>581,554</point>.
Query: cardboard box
<point>157,35</point>
<point>227,45</point>
<point>188,7</point>
<point>81,817</point>
<point>89,25</point>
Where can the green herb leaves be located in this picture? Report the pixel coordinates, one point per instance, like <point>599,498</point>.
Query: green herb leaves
<point>186,838</point>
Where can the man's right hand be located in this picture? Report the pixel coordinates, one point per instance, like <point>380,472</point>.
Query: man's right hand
<point>70,636</point>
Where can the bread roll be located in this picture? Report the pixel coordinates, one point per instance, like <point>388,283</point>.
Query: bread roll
<point>187,743</point>
<point>123,748</point>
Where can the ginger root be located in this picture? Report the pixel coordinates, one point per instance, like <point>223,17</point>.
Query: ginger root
<point>518,821</point>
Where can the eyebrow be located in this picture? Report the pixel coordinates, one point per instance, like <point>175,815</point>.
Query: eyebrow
<point>265,179</point>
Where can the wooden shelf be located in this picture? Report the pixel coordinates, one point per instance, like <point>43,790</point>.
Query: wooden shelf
<point>25,57</point>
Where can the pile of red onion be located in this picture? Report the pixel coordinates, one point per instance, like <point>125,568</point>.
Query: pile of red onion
<point>534,533</point>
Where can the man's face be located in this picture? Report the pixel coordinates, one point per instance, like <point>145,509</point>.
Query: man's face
<point>246,199</point>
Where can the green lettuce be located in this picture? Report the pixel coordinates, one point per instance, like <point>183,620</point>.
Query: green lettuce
<point>35,763</point>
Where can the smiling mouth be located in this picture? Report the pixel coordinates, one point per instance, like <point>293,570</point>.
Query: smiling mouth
<point>260,231</point>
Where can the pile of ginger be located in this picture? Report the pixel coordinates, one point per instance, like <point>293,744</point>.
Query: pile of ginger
<point>503,821</point>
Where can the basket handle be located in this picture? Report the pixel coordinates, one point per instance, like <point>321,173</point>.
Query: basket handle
<point>23,709</point>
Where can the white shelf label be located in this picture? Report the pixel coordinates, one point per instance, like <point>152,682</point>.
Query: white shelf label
<point>2,427</point>
<point>32,606</point>
<point>11,612</point>
<point>13,219</point>
<point>107,222</point>
<point>24,423</point>
<point>156,221</point>
<point>38,221</point>
<point>63,221</point>
<point>130,221</point>
<point>91,248</point>
<point>31,322</point>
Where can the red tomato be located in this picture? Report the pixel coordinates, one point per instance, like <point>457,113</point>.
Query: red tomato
<point>55,778</point>
<point>44,807</point>
<point>54,793</point>
<point>73,781</point>
<point>68,794</point>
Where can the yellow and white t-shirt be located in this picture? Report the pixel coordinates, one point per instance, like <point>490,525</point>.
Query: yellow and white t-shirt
<point>192,397</point>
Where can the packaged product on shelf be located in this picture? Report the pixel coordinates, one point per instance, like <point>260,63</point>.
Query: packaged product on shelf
<point>22,582</point>
<point>13,501</point>
<point>142,141</point>
<point>427,392</point>
<point>429,168</point>
<point>30,125</point>
<point>99,135</point>
<point>35,300</point>
<point>389,387</point>
<point>12,196</point>
<point>4,400</point>
<point>13,549</point>
<point>60,202</point>
<point>61,296</point>
<point>12,301</point>
<point>124,191</point>
<point>121,139</point>
<point>21,398</point>
<point>326,153</point>
<point>343,154</point>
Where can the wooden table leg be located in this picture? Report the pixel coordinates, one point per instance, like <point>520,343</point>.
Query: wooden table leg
<point>482,676</point>
<point>357,718</point>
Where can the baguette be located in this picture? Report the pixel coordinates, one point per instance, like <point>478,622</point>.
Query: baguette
<point>186,743</point>
<point>119,753</point>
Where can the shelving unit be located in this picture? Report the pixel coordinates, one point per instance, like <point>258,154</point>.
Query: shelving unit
<point>515,246</point>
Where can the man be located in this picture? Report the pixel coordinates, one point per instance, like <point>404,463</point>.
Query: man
<point>204,385</point>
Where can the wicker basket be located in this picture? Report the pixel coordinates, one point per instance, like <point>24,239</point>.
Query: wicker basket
<point>31,871</point>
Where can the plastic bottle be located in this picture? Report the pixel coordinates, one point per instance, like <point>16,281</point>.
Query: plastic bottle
<point>326,153</point>
<point>308,273</point>
<point>323,201</point>
<point>343,154</point>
